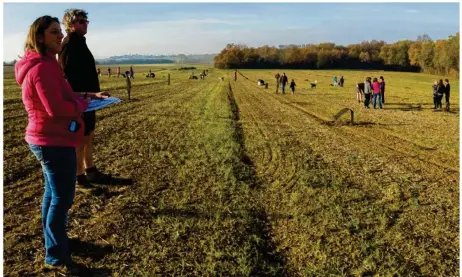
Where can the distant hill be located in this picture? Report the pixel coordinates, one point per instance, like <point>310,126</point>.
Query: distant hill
<point>154,59</point>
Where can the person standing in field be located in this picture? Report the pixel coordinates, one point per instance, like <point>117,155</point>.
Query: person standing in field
<point>435,93</point>
<point>284,80</point>
<point>129,85</point>
<point>132,73</point>
<point>367,92</point>
<point>335,81</point>
<point>292,86</point>
<point>359,91</point>
<point>376,91</point>
<point>98,71</point>
<point>78,65</point>
<point>447,93</point>
<point>118,72</point>
<point>55,127</point>
<point>440,90</point>
<point>382,88</point>
<point>235,75</point>
<point>341,81</point>
<point>109,72</point>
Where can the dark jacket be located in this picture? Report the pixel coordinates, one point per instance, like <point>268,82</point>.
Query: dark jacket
<point>284,80</point>
<point>440,90</point>
<point>448,88</point>
<point>382,86</point>
<point>361,87</point>
<point>78,64</point>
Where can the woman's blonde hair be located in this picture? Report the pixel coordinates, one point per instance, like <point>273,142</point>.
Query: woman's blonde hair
<point>70,16</point>
<point>36,30</point>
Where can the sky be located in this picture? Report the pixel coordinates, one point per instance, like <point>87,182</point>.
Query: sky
<point>206,28</point>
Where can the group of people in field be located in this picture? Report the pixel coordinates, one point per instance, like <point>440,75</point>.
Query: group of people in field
<point>129,73</point>
<point>60,132</point>
<point>441,89</point>
<point>283,80</point>
<point>371,88</point>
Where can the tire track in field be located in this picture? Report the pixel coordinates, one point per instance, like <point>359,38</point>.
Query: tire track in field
<point>272,157</point>
<point>270,261</point>
<point>292,165</point>
<point>147,189</point>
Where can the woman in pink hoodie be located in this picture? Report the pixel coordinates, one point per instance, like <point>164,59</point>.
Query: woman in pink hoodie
<point>55,127</point>
<point>376,91</point>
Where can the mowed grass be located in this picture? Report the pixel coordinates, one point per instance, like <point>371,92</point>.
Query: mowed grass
<point>234,180</point>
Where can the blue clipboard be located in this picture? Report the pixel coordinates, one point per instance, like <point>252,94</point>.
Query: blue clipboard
<point>97,104</point>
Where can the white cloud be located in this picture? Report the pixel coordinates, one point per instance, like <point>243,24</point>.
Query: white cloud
<point>412,11</point>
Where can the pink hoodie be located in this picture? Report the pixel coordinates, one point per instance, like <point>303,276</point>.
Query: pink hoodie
<point>49,101</point>
<point>376,87</point>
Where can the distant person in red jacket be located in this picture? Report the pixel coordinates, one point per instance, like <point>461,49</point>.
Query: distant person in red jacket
<point>376,92</point>
<point>54,129</point>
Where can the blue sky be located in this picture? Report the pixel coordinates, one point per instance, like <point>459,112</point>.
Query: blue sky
<point>196,28</point>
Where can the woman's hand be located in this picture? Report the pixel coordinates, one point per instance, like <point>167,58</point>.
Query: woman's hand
<point>101,95</point>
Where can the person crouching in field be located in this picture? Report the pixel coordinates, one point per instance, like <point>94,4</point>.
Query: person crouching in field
<point>376,91</point>
<point>292,86</point>
<point>54,130</point>
<point>367,92</point>
<point>359,91</point>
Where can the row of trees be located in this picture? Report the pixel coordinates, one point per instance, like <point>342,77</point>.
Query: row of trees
<point>423,54</point>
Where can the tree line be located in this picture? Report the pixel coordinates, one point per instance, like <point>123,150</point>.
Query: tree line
<point>421,55</point>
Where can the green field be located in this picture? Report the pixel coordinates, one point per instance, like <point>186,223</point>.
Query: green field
<point>232,179</point>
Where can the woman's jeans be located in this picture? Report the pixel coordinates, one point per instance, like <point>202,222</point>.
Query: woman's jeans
<point>59,170</point>
<point>376,97</point>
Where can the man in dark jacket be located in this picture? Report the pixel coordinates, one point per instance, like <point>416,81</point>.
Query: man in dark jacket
<point>79,69</point>
<point>447,91</point>
<point>382,88</point>
<point>284,82</point>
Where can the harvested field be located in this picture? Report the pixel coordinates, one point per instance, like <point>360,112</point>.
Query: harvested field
<point>232,179</point>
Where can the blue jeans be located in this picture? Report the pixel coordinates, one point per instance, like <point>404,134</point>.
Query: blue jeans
<point>59,165</point>
<point>283,88</point>
<point>379,100</point>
